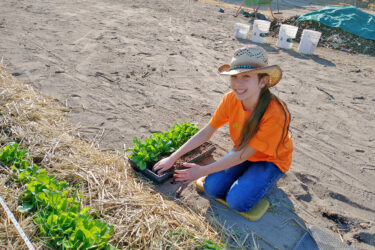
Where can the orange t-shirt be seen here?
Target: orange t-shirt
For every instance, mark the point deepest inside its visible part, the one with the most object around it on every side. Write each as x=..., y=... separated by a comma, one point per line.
x=268, y=136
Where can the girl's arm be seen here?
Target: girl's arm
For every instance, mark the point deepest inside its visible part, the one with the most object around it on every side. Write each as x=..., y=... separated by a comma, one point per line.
x=231, y=159
x=198, y=139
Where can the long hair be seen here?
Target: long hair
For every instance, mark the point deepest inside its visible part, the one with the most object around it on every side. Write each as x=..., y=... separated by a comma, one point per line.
x=251, y=126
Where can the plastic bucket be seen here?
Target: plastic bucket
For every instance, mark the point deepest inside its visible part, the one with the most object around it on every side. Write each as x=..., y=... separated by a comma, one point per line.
x=309, y=41
x=241, y=30
x=286, y=34
x=260, y=29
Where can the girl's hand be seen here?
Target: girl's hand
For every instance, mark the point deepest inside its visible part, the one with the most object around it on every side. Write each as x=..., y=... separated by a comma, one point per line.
x=193, y=172
x=163, y=165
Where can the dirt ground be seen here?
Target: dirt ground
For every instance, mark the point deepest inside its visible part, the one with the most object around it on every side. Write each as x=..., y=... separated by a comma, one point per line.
x=131, y=68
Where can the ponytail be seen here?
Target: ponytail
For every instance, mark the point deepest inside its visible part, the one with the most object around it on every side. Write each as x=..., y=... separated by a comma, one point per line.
x=251, y=126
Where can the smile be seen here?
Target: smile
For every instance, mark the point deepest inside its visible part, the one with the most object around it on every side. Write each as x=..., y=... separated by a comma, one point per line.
x=241, y=91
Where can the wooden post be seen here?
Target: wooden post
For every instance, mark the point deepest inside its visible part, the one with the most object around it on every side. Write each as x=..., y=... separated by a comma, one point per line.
x=238, y=10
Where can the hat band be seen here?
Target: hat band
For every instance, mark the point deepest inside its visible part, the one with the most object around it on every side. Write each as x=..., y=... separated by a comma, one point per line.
x=241, y=67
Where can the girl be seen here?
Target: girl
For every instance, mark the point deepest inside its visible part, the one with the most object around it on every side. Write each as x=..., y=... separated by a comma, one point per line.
x=258, y=126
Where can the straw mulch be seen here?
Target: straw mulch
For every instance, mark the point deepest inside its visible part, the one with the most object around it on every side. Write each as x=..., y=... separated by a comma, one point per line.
x=141, y=217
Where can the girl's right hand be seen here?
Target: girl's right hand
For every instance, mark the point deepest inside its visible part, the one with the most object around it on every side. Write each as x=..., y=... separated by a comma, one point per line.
x=163, y=165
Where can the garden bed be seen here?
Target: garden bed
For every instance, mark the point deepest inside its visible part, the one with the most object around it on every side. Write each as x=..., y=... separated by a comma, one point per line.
x=194, y=156
x=38, y=123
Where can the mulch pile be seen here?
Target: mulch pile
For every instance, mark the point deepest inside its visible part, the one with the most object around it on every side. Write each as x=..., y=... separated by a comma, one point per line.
x=334, y=38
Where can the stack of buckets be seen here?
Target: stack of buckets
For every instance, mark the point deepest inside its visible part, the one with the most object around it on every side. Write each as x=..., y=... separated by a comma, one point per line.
x=308, y=43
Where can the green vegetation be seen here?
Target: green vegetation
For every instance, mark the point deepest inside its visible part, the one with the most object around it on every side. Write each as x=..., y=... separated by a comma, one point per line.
x=174, y=237
x=60, y=219
x=160, y=144
x=209, y=244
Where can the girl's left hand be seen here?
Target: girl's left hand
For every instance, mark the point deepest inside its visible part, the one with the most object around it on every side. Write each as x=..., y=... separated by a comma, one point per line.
x=193, y=172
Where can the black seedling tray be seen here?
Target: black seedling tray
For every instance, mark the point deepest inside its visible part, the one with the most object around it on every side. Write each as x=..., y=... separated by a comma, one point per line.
x=168, y=174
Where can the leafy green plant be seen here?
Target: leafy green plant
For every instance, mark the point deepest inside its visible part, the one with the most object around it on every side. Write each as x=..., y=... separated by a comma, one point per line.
x=71, y=227
x=209, y=244
x=12, y=155
x=38, y=192
x=60, y=218
x=158, y=145
x=175, y=237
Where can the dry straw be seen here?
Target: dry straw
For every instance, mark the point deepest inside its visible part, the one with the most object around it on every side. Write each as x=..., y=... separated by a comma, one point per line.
x=142, y=218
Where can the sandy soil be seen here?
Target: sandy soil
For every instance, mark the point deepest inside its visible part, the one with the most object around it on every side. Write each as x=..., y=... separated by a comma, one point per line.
x=130, y=68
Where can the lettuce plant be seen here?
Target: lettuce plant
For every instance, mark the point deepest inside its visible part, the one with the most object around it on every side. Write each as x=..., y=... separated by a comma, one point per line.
x=61, y=221
x=158, y=145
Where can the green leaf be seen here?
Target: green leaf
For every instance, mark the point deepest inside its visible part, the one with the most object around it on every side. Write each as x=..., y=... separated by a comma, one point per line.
x=67, y=244
x=142, y=165
x=41, y=197
x=26, y=207
x=68, y=231
x=136, y=141
x=170, y=150
x=85, y=210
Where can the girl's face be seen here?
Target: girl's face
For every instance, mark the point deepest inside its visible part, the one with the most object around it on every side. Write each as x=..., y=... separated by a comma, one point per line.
x=247, y=86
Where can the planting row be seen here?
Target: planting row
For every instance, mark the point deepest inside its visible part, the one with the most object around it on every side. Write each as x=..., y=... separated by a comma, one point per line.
x=55, y=207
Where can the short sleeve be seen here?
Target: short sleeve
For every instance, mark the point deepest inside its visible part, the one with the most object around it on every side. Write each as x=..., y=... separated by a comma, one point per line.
x=269, y=134
x=221, y=115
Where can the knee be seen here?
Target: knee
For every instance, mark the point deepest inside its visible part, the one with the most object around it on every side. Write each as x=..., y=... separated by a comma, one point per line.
x=239, y=202
x=211, y=188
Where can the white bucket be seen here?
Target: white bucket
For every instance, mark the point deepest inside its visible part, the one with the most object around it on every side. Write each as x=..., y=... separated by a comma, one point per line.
x=241, y=30
x=309, y=41
x=286, y=32
x=260, y=28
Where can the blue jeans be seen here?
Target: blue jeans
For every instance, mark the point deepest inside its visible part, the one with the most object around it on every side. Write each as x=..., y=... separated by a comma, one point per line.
x=243, y=185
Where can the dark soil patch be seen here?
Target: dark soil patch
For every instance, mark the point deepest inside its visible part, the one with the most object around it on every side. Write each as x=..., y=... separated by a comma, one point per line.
x=186, y=157
x=191, y=155
x=342, y=222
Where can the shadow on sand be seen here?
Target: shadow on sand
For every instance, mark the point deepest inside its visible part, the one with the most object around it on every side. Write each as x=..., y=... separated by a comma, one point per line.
x=279, y=228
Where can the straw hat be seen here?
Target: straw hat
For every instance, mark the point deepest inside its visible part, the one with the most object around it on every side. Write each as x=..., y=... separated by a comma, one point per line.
x=252, y=59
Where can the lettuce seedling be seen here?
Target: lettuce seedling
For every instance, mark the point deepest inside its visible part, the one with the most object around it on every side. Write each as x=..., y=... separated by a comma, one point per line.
x=61, y=221
x=158, y=145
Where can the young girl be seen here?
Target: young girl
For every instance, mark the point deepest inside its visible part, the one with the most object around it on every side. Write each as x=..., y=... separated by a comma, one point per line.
x=258, y=127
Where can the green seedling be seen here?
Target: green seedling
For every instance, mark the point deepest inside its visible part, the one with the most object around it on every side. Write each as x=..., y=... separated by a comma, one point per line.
x=209, y=244
x=12, y=155
x=174, y=238
x=60, y=219
x=158, y=145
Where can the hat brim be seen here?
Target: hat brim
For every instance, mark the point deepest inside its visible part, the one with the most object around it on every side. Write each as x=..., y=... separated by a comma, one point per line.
x=273, y=71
